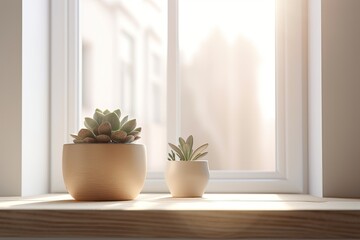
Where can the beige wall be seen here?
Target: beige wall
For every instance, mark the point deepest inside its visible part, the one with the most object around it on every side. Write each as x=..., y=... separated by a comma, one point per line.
x=10, y=97
x=24, y=97
x=341, y=97
x=338, y=116
x=334, y=84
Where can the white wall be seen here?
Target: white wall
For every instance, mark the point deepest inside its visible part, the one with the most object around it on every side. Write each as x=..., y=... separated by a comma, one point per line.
x=10, y=97
x=24, y=95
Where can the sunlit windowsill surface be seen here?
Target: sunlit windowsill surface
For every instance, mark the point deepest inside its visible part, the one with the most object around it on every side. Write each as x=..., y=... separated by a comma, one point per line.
x=158, y=215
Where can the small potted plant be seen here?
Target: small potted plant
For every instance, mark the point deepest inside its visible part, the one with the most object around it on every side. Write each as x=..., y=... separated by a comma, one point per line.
x=103, y=163
x=187, y=176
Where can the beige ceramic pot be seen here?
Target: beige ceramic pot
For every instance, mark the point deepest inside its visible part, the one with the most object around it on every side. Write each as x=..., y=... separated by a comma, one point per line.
x=187, y=178
x=94, y=172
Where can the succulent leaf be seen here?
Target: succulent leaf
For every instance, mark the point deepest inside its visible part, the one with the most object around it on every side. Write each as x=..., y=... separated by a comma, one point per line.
x=171, y=156
x=84, y=133
x=198, y=151
x=129, y=139
x=129, y=126
x=182, y=142
x=98, y=117
x=103, y=138
x=134, y=133
x=113, y=119
x=177, y=150
x=118, y=113
x=118, y=136
x=185, y=150
x=91, y=124
x=123, y=121
x=200, y=155
x=190, y=141
x=89, y=140
x=75, y=136
x=105, y=129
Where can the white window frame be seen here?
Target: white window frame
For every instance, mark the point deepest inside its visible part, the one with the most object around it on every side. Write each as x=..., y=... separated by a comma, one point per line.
x=291, y=126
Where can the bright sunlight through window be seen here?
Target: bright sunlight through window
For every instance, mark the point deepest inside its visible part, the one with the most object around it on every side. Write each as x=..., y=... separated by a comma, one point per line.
x=227, y=74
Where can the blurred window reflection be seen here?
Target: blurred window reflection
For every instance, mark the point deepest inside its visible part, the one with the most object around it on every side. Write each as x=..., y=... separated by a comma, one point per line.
x=227, y=72
x=227, y=64
x=123, y=59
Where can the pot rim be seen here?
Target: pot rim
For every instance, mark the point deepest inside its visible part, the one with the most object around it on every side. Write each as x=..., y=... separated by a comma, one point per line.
x=101, y=144
x=193, y=161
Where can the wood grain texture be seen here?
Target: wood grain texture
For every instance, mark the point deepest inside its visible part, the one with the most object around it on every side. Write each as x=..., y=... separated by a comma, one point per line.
x=180, y=224
x=217, y=216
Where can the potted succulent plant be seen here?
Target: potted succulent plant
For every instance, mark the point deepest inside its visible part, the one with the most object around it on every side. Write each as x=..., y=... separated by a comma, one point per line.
x=102, y=163
x=187, y=176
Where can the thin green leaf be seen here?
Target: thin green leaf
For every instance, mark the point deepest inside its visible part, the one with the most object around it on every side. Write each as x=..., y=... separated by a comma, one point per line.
x=106, y=112
x=186, y=150
x=190, y=141
x=177, y=150
x=182, y=142
x=172, y=155
x=199, y=150
x=200, y=155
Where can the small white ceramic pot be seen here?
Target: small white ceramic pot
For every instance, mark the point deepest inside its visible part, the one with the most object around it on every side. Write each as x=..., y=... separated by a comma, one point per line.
x=187, y=179
x=94, y=172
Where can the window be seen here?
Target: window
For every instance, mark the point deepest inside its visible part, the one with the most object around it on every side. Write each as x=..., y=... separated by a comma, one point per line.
x=227, y=50
x=229, y=73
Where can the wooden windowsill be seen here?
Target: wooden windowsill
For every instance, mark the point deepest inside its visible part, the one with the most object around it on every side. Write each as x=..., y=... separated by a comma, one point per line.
x=220, y=216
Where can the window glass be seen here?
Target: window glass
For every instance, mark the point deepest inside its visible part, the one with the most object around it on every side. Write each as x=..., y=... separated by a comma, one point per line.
x=124, y=45
x=227, y=71
x=227, y=74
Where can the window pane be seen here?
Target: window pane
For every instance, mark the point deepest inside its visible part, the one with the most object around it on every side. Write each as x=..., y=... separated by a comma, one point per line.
x=124, y=46
x=227, y=69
